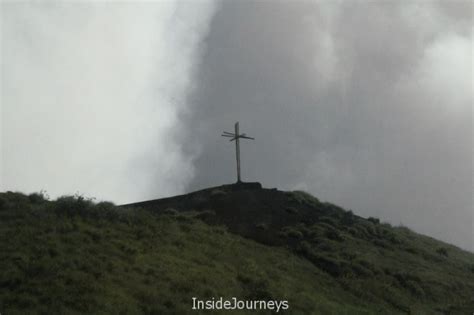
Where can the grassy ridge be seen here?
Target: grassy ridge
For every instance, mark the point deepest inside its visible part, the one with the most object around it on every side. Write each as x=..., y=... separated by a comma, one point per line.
x=375, y=261
x=72, y=256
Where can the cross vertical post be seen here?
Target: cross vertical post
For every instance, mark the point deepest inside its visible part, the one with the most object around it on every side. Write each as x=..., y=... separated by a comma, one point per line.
x=237, y=151
x=237, y=136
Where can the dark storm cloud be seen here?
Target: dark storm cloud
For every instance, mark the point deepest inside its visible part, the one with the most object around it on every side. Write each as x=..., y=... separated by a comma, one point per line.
x=364, y=104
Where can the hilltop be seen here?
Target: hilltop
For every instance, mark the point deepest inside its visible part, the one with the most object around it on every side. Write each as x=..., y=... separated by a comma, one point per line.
x=75, y=256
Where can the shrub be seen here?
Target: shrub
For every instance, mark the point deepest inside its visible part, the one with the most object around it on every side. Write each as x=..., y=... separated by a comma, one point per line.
x=410, y=282
x=324, y=226
x=315, y=232
x=381, y=243
x=291, y=210
x=289, y=231
x=332, y=266
x=305, y=198
x=199, y=200
x=352, y=231
x=254, y=282
x=371, y=230
x=334, y=235
x=383, y=234
x=186, y=217
x=262, y=226
x=411, y=250
x=442, y=251
x=255, y=288
x=403, y=277
x=36, y=198
x=73, y=205
x=3, y=203
x=369, y=265
x=205, y=214
x=361, y=231
x=405, y=230
x=374, y=220
x=361, y=271
x=105, y=210
x=329, y=221
x=348, y=218
x=170, y=211
x=326, y=246
x=471, y=268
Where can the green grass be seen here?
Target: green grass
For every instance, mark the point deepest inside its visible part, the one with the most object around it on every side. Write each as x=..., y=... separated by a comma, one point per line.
x=378, y=262
x=72, y=256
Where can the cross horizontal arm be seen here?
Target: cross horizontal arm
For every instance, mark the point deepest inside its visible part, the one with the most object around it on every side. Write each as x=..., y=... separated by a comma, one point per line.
x=245, y=137
x=234, y=137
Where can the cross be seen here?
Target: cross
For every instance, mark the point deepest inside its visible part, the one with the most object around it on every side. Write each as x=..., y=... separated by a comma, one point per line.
x=236, y=136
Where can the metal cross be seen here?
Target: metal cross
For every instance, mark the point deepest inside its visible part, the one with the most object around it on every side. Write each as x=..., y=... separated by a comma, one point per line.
x=236, y=136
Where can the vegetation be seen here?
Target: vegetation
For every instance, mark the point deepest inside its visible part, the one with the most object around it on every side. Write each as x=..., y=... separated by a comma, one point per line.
x=411, y=272
x=74, y=256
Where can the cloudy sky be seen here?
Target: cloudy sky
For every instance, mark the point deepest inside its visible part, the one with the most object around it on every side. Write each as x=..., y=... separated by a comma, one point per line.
x=364, y=104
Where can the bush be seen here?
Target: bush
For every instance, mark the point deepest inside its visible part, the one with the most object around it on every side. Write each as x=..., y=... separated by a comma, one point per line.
x=328, y=220
x=262, y=226
x=374, y=220
x=323, y=226
x=348, y=218
x=289, y=231
x=334, y=235
x=411, y=250
x=442, y=251
x=36, y=198
x=170, y=211
x=73, y=205
x=332, y=266
x=304, y=198
x=381, y=243
x=199, y=200
x=471, y=268
x=255, y=288
x=361, y=231
x=370, y=266
x=206, y=214
x=361, y=271
x=392, y=238
x=105, y=210
x=254, y=282
x=3, y=203
x=411, y=283
x=291, y=210
x=352, y=231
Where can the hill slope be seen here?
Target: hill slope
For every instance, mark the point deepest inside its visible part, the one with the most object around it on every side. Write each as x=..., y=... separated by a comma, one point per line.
x=73, y=256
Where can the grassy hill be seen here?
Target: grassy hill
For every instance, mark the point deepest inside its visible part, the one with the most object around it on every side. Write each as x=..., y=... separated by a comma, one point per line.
x=72, y=256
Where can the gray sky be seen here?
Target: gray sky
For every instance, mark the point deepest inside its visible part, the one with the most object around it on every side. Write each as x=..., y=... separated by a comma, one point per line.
x=364, y=104
x=91, y=93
